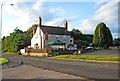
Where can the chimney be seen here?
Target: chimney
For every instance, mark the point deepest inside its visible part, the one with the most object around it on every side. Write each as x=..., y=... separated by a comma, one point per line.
x=66, y=25
x=39, y=22
x=34, y=30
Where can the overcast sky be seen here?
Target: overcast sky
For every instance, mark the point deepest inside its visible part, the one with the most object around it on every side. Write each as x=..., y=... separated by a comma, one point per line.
x=80, y=15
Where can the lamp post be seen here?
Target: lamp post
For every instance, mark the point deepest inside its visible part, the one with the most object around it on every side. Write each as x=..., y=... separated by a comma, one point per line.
x=1, y=27
x=1, y=20
x=1, y=5
x=1, y=17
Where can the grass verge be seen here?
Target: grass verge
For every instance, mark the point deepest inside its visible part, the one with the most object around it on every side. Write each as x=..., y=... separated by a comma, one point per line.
x=12, y=53
x=86, y=57
x=3, y=61
x=9, y=53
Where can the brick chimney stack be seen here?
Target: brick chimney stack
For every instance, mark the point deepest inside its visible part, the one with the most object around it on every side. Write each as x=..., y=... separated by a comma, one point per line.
x=66, y=25
x=39, y=22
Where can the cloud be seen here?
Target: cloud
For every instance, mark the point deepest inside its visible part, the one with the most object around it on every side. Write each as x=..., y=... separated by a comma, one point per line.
x=107, y=13
x=100, y=2
x=26, y=13
x=87, y=25
x=60, y=21
x=55, y=22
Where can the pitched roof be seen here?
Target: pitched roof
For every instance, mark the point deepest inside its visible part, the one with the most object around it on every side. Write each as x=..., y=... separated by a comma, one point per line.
x=54, y=30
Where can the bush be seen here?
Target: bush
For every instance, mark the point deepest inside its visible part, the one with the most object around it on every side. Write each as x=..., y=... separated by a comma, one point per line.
x=82, y=43
x=53, y=54
x=3, y=61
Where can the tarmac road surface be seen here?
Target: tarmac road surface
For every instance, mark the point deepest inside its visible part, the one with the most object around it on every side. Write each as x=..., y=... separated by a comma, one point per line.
x=90, y=70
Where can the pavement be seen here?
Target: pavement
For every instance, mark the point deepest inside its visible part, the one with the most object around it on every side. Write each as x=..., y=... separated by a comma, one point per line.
x=31, y=72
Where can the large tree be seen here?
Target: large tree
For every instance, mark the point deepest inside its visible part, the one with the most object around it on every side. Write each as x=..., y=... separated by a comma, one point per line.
x=17, y=40
x=14, y=42
x=102, y=36
x=81, y=39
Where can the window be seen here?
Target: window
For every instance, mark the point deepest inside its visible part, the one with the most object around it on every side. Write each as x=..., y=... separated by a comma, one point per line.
x=70, y=40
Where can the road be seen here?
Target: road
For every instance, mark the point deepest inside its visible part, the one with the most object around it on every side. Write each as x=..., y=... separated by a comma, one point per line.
x=90, y=70
x=114, y=52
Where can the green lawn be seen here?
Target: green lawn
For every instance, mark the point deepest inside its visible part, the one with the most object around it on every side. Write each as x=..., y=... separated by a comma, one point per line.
x=9, y=53
x=86, y=57
x=3, y=61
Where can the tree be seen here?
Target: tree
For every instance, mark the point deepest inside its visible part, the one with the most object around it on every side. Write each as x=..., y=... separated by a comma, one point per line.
x=29, y=34
x=14, y=42
x=76, y=31
x=17, y=40
x=76, y=34
x=116, y=42
x=109, y=37
x=102, y=36
x=81, y=39
x=81, y=43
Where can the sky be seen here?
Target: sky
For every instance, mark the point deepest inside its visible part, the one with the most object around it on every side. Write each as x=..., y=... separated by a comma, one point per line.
x=82, y=15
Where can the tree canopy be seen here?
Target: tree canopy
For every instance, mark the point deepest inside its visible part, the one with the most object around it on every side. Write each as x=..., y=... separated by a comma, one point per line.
x=102, y=36
x=81, y=39
x=17, y=40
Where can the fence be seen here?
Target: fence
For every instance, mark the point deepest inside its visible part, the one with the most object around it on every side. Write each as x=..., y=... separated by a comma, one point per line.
x=30, y=50
x=37, y=52
x=44, y=52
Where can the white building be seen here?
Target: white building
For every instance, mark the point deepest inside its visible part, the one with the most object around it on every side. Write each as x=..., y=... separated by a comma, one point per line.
x=52, y=37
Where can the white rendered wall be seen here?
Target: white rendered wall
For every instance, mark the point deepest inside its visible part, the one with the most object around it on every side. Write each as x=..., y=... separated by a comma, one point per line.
x=36, y=39
x=43, y=38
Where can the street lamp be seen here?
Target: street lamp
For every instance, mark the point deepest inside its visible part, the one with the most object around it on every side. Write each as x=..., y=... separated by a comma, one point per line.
x=1, y=21
x=1, y=17
x=1, y=5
